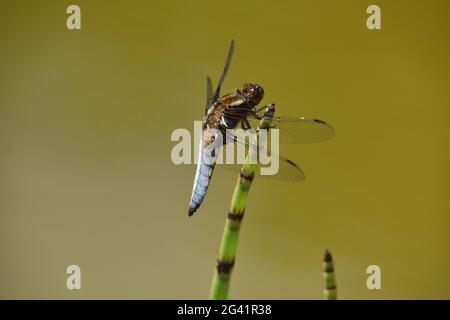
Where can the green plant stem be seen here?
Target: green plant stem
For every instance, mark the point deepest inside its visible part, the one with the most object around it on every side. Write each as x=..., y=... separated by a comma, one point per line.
x=330, y=291
x=227, y=252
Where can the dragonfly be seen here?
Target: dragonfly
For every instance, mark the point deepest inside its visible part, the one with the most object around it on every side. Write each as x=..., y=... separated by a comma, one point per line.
x=240, y=108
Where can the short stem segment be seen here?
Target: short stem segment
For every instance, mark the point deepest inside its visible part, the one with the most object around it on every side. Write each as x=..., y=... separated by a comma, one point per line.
x=225, y=261
x=330, y=291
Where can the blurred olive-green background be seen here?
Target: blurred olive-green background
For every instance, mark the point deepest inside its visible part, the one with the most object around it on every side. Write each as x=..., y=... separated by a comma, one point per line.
x=86, y=176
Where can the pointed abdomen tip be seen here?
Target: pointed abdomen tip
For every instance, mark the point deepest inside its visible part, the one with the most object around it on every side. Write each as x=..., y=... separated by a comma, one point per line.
x=191, y=211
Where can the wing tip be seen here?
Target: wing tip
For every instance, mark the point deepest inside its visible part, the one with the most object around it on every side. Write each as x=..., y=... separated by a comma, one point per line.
x=319, y=121
x=300, y=176
x=332, y=130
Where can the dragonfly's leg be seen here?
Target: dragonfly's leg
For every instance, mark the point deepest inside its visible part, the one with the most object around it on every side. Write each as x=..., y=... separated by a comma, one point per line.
x=261, y=108
x=255, y=114
x=245, y=124
x=259, y=117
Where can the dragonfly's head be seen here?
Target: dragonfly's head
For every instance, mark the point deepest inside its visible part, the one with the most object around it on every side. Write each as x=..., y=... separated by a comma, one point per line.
x=253, y=93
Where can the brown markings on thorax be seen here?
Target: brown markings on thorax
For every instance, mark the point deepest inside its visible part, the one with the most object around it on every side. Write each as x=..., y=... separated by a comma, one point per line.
x=217, y=110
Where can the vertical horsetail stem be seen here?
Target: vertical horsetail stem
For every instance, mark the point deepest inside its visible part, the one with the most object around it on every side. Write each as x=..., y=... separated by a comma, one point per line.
x=330, y=291
x=227, y=252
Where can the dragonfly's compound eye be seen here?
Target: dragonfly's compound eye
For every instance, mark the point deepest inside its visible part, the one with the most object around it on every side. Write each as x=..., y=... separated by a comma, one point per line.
x=253, y=92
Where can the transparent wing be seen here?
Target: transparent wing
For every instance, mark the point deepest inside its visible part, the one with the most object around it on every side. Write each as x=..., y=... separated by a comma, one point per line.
x=287, y=169
x=225, y=70
x=303, y=130
x=292, y=129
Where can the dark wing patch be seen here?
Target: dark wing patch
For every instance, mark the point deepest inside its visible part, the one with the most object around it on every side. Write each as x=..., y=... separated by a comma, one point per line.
x=320, y=121
x=225, y=70
x=209, y=94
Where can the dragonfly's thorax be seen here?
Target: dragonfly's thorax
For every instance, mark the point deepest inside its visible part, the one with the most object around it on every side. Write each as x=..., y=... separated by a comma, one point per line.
x=227, y=111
